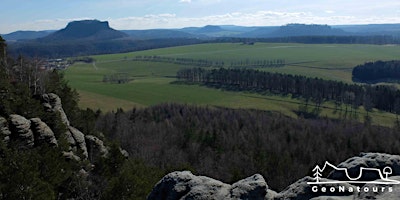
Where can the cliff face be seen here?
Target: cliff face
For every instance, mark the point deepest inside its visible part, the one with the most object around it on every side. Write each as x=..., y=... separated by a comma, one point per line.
x=184, y=185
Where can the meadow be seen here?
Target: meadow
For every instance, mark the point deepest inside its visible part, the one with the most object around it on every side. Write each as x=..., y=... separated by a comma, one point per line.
x=152, y=81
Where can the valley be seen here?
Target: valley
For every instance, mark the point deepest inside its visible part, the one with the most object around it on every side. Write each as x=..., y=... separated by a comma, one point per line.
x=153, y=81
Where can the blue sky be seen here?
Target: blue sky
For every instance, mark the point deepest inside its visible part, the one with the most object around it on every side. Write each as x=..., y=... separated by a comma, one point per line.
x=147, y=14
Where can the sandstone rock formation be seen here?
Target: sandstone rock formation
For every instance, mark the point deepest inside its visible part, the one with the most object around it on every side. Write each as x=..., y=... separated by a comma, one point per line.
x=370, y=160
x=21, y=131
x=4, y=130
x=185, y=185
x=52, y=103
x=42, y=132
x=28, y=133
x=95, y=147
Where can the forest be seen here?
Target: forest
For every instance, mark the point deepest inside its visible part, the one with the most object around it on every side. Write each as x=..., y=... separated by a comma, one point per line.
x=378, y=71
x=229, y=144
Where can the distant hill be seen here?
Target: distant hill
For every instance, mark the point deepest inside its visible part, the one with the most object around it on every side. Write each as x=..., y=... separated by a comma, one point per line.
x=371, y=29
x=85, y=30
x=158, y=34
x=294, y=30
x=25, y=35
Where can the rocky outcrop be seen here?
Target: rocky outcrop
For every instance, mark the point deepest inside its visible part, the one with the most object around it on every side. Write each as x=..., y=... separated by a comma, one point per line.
x=21, y=132
x=52, y=103
x=4, y=130
x=42, y=132
x=28, y=133
x=77, y=141
x=301, y=190
x=185, y=185
x=95, y=147
x=368, y=160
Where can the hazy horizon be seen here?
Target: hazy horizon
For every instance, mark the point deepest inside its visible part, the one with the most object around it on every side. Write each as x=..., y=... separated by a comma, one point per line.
x=153, y=14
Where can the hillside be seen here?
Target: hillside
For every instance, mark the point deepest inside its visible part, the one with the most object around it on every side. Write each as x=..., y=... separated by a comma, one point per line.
x=25, y=35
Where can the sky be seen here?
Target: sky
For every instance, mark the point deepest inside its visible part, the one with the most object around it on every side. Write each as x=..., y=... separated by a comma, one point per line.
x=150, y=14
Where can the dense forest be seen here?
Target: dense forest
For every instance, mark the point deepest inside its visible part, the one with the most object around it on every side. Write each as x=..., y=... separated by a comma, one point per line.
x=311, y=89
x=230, y=144
x=378, y=71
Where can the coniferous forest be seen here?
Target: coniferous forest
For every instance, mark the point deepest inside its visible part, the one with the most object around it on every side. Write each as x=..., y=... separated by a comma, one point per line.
x=379, y=71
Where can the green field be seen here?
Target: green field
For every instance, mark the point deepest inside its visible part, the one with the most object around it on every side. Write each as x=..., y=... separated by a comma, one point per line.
x=152, y=80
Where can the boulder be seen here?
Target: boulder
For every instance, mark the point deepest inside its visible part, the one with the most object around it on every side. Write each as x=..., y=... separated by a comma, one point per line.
x=42, y=132
x=52, y=103
x=253, y=187
x=4, y=130
x=21, y=131
x=367, y=160
x=185, y=185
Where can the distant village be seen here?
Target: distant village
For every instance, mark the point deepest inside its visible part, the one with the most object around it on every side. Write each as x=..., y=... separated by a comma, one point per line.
x=62, y=63
x=58, y=64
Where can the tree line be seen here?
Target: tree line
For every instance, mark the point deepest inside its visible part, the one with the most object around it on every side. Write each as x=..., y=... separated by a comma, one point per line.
x=382, y=97
x=378, y=71
x=375, y=39
x=212, y=63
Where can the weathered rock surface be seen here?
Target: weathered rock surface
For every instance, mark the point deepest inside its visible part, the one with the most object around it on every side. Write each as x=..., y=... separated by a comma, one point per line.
x=77, y=141
x=42, y=132
x=301, y=190
x=368, y=160
x=95, y=147
x=21, y=131
x=52, y=103
x=185, y=185
x=4, y=130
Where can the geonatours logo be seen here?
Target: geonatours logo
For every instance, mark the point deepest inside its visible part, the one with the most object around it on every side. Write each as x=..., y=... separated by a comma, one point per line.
x=352, y=184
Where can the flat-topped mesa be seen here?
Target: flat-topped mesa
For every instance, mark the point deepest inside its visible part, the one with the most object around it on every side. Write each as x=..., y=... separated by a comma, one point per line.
x=85, y=30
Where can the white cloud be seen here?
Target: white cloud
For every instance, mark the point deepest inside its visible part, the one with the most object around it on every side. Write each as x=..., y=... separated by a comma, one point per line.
x=185, y=1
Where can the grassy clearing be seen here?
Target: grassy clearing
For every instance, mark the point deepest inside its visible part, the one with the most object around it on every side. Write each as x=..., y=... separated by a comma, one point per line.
x=152, y=81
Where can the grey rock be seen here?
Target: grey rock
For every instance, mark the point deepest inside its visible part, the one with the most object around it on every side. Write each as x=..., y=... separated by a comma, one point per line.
x=253, y=187
x=301, y=190
x=52, y=103
x=78, y=141
x=124, y=152
x=21, y=131
x=271, y=194
x=4, y=130
x=333, y=198
x=42, y=132
x=185, y=185
x=71, y=156
x=96, y=148
x=369, y=160
x=383, y=191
